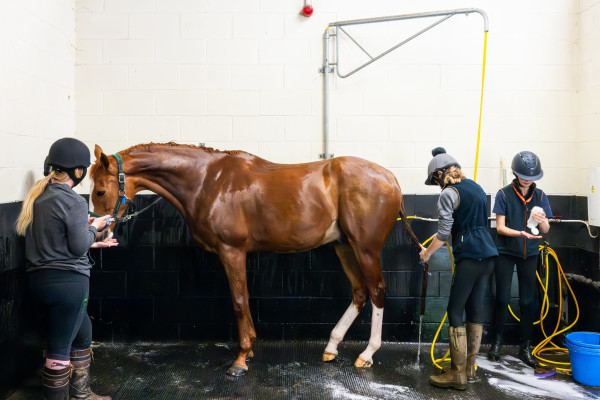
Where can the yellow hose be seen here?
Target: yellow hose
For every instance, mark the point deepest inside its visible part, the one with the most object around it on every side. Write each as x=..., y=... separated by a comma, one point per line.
x=540, y=348
x=480, y=106
x=445, y=356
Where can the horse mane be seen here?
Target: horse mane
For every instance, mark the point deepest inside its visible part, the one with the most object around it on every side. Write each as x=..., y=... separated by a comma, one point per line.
x=151, y=147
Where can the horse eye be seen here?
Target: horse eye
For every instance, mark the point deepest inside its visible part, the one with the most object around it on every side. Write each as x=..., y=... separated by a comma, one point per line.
x=100, y=193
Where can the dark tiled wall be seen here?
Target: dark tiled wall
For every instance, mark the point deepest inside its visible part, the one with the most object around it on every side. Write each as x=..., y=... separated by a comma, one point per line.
x=158, y=285
x=20, y=346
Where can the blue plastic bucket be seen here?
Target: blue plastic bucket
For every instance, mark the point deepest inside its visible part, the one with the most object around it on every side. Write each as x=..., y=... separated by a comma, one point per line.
x=585, y=360
x=590, y=340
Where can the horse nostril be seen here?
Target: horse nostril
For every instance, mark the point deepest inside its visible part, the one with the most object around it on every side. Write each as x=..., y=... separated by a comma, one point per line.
x=100, y=193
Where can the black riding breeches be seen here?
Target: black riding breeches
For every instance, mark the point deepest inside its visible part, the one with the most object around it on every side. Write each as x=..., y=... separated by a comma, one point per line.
x=468, y=287
x=62, y=298
x=526, y=268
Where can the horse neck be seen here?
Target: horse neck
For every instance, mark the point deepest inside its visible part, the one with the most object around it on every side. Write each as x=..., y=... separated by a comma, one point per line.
x=175, y=174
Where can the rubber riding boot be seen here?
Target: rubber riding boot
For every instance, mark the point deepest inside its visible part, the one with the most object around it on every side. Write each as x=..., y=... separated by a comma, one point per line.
x=455, y=377
x=55, y=383
x=495, y=348
x=525, y=355
x=474, y=332
x=80, y=381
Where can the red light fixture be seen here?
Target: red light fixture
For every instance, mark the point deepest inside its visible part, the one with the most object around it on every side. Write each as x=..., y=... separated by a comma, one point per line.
x=307, y=10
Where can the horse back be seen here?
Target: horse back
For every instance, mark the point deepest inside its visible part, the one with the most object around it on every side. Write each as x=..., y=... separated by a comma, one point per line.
x=252, y=203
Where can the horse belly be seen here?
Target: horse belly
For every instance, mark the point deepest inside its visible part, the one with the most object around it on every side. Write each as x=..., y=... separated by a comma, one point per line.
x=297, y=240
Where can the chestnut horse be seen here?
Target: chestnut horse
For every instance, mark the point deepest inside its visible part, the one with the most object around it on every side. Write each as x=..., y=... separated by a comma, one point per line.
x=234, y=202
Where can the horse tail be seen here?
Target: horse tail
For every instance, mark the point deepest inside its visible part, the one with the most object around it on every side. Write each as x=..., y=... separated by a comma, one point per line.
x=403, y=217
x=407, y=225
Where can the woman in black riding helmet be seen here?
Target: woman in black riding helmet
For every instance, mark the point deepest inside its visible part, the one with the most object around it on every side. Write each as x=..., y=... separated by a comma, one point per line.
x=517, y=246
x=58, y=234
x=463, y=213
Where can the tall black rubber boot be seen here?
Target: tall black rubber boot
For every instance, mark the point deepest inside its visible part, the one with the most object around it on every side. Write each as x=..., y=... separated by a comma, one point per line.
x=495, y=349
x=525, y=355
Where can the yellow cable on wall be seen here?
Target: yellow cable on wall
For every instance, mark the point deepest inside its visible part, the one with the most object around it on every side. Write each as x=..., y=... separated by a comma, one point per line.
x=480, y=107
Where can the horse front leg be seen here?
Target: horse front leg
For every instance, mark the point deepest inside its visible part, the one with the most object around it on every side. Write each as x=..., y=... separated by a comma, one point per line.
x=234, y=262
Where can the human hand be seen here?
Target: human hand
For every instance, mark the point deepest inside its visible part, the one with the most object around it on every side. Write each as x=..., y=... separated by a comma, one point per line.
x=538, y=216
x=424, y=255
x=529, y=235
x=110, y=242
x=100, y=223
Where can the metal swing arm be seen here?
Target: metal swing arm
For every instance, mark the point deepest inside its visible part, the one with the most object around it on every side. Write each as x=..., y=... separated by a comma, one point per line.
x=340, y=24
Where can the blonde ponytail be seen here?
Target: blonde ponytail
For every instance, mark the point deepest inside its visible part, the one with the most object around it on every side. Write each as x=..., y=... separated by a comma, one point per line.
x=453, y=175
x=26, y=215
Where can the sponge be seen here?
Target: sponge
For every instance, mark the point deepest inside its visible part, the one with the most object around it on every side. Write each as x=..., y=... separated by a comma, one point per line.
x=532, y=223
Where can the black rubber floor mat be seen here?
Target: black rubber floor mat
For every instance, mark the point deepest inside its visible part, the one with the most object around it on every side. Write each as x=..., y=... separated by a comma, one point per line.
x=293, y=370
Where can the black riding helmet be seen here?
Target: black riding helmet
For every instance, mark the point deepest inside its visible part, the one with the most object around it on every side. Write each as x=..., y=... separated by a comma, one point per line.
x=66, y=155
x=440, y=162
x=527, y=165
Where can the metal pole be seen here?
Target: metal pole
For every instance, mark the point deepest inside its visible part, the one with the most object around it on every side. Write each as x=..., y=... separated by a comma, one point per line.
x=326, y=65
x=373, y=59
x=417, y=15
x=326, y=71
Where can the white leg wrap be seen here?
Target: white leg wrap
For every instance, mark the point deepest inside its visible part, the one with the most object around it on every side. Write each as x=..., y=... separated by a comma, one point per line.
x=337, y=334
x=375, y=340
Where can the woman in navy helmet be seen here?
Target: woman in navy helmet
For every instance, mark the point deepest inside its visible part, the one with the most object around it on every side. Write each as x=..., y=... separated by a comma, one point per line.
x=463, y=214
x=58, y=233
x=517, y=246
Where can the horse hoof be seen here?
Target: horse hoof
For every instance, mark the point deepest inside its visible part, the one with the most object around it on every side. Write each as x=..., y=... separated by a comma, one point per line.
x=327, y=356
x=236, y=370
x=362, y=363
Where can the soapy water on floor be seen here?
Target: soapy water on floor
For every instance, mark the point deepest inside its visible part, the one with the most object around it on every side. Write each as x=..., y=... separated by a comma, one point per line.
x=382, y=391
x=521, y=380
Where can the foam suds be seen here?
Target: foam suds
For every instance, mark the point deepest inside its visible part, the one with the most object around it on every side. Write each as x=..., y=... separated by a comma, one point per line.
x=522, y=379
x=390, y=390
x=515, y=388
x=341, y=392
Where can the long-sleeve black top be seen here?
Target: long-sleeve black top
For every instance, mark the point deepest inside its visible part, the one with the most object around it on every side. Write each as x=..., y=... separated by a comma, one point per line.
x=59, y=236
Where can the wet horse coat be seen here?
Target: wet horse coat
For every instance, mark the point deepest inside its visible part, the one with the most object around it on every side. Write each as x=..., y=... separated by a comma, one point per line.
x=234, y=203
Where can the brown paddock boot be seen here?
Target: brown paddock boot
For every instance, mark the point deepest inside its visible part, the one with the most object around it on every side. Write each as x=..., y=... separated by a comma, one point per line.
x=80, y=381
x=455, y=377
x=474, y=332
x=55, y=383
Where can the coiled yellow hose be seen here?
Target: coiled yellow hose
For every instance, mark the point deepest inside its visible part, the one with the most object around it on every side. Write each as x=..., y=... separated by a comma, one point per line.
x=541, y=347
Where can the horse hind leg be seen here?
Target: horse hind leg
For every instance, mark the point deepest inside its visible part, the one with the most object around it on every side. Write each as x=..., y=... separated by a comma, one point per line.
x=371, y=271
x=359, y=298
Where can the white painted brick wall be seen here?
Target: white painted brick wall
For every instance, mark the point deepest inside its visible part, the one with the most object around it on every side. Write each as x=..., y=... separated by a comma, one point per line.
x=37, y=88
x=243, y=74
x=587, y=104
x=127, y=52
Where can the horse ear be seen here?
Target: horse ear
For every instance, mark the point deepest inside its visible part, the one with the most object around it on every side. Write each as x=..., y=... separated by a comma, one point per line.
x=101, y=156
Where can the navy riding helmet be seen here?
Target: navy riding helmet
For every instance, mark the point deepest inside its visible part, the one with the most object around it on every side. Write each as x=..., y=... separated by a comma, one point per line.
x=527, y=165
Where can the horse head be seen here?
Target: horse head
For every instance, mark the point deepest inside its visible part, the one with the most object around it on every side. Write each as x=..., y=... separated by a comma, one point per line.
x=108, y=195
